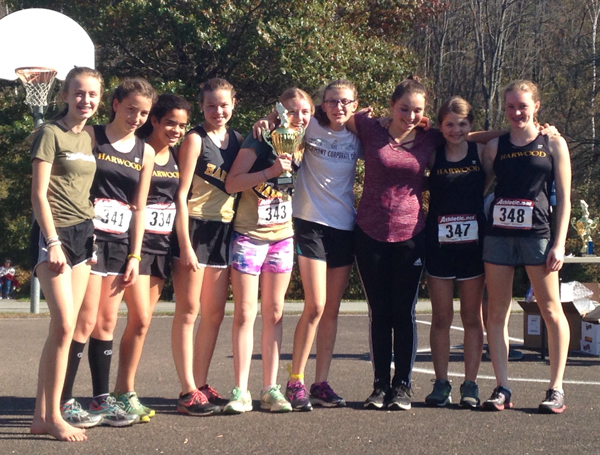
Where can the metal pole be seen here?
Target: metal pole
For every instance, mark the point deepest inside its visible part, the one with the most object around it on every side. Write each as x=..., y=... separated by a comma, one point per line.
x=38, y=119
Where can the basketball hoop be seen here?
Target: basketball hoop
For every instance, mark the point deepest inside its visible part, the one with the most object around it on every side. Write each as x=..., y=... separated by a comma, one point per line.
x=37, y=81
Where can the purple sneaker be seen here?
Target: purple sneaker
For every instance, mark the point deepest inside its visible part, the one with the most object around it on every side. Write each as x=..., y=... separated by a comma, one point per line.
x=322, y=394
x=297, y=395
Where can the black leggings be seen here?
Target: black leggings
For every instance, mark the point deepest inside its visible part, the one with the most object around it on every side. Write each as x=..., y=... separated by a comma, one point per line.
x=390, y=274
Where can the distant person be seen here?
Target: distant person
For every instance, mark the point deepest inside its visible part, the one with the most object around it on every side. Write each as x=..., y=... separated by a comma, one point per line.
x=525, y=164
x=62, y=243
x=8, y=281
x=205, y=211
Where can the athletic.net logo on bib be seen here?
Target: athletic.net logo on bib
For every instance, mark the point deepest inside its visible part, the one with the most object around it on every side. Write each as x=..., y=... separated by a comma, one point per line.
x=457, y=229
x=112, y=216
x=513, y=213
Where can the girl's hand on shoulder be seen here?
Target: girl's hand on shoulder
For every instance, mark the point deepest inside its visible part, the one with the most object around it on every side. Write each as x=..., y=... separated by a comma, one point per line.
x=262, y=125
x=549, y=130
x=425, y=123
x=57, y=261
x=555, y=259
x=368, y=111
x=385, y=122
x=131, y=272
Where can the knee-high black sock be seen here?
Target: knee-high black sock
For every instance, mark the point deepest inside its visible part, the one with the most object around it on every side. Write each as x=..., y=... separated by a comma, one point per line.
x=75, y=353
x=100, y=355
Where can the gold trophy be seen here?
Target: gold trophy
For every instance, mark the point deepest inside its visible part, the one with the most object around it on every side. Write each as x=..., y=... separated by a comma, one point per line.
x=284, y=140
x=584, y=227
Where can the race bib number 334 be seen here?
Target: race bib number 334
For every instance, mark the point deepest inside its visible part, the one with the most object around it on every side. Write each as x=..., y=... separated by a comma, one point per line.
x=160, y=218
x=274, y=211
x=513, y=213
x=111, y=216
x=454, y=229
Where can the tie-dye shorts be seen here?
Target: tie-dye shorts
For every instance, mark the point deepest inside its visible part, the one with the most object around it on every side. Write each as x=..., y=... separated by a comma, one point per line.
x=253, y=256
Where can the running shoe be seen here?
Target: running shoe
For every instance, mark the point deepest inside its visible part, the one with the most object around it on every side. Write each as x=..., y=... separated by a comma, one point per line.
x=469, y=395
x=240, y=402
x=441, y=394
x=213, y=396
x=113, y=413
x=554, y=402
x=322, y=394
x=297, y=395
x=132, y=405
x=273, y=400
x=76, y=416
x=377, y=399
x=398, y=398
x=195, y=403
x=499, y=400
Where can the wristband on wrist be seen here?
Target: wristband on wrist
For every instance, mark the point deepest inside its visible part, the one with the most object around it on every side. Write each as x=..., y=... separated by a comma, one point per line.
x=264, y=173
x=52, y=239
x=134, y=256
x=53, y=243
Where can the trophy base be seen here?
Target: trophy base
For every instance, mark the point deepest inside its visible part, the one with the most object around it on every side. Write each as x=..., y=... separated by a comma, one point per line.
x=284, y=182
x=585, y=255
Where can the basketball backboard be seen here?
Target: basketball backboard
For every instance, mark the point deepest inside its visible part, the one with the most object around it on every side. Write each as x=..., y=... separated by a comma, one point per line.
x=40, y=37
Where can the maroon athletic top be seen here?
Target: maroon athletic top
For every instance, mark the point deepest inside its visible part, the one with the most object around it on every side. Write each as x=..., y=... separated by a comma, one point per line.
x=390, y=208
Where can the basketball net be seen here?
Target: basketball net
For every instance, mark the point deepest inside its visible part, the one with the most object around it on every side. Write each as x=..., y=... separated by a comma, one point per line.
x=37, y=82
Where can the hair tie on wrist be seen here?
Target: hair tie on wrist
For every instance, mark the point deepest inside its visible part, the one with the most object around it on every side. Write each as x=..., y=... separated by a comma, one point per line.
x=134, y=256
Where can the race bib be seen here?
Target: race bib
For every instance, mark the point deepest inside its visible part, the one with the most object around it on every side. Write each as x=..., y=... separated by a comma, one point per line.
x=457, y=229
x=274, y=211
x=112, y=216
x=513, y=213
x=160, y=218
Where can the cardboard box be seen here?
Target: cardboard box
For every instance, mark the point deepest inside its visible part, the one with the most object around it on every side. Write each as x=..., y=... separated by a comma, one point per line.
x=590, y=332
x=589, y=348
x=532, y=325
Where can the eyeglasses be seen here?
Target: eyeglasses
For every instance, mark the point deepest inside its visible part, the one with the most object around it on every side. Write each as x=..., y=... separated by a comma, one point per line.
x=334, y=103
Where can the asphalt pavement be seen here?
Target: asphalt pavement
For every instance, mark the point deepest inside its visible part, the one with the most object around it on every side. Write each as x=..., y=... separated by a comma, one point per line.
x=351, y=430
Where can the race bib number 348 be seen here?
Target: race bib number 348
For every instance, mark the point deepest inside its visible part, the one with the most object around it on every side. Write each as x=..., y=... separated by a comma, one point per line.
x=454, y=229
x=274, y=211
x=513, y=213
x=111, y=216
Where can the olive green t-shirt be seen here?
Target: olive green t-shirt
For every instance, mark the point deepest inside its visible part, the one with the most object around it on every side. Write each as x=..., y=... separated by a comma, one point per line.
x=73, y=169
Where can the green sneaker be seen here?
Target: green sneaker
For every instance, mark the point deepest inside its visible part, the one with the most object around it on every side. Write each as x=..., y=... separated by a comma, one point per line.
x=469, y=395
x=132, y=405
x=239, y=402
x=273, y=400
x=440, y=396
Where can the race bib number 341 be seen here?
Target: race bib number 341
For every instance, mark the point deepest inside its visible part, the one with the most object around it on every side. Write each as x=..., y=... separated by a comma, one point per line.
x=513, y=213
x=454, y=229
x=160, y=218
x=111, y=216
x=274, y=211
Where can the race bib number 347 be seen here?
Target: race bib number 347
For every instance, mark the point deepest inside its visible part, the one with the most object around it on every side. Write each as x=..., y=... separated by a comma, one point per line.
x=111, y=216
x=513, y=213
x=274, y=211
x=454, y=229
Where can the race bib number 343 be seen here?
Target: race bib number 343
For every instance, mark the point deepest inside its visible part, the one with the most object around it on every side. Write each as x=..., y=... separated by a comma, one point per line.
x=111, y=216
x=160, y=218
x=513, y=213
x=274, y=211
x=454, y=229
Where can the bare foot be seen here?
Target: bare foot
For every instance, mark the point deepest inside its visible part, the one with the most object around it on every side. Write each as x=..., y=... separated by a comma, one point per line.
x=60, y=430
x=38, y=426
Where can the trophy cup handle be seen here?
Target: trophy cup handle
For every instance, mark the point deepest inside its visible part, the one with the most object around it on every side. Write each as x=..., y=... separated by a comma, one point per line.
x=267, y=137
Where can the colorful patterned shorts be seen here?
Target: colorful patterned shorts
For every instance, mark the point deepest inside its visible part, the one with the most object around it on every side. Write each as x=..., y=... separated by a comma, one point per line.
x=255, y=256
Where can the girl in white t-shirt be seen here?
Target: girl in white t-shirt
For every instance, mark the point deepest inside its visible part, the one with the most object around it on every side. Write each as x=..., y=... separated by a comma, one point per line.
x=323, y=211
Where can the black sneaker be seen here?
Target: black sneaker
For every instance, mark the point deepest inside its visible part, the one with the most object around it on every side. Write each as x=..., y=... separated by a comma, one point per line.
x=297, y=395
x=554, y=402
x=322, y=394
x=499, y=400
x=399, y=398
x=469, y=395
x=440, y=396
x=195, y=403
x=377, y=399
